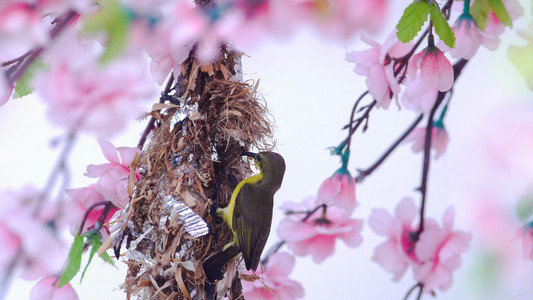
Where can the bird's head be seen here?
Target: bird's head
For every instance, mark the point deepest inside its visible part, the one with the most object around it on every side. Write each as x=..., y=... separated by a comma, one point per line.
x=271, y=165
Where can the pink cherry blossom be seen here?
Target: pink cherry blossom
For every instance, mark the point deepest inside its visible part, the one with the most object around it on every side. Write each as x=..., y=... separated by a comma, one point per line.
x=377, y=65
x=396, y=254
x=113, y=176
x=433, y=68
x=417, y=96
x=87, y=95
x=439, y=140
x=342, y=18
x=173, y=39
x=274, y=282
x=338, y=190
x=46, y=289
x=20, y=29
x=80, y=200
x=494, y=27
x=316, y=236
x=439, y=251
x=468, y=38
x=27, y=237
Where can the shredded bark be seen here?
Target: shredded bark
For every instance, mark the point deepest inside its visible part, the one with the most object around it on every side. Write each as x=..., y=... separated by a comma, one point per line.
x=186, y=164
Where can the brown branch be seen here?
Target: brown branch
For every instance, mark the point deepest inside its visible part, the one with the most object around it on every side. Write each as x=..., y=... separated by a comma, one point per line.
x=55, y=171
x=151, y=123
x=363, y=173
x=32, y=55
x=457, y=69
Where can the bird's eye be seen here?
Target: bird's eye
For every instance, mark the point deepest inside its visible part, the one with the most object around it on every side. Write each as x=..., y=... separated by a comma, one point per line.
x=258, y=158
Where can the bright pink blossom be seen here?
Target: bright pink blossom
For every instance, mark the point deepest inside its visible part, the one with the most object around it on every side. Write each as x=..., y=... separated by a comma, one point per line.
x=377, y=65
x=274, y=282
x=46, y=289
x=439, y=251
x=80, y=200
x=439, y=140
x=397, y=253
x=433, y=68
x=338, y=190
x=113, y=176
x=316, y=236
x=85, y=94
x=428, y=72
x=27, y=236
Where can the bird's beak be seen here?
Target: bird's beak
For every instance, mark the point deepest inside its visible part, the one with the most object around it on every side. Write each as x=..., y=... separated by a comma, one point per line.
x=250, y=154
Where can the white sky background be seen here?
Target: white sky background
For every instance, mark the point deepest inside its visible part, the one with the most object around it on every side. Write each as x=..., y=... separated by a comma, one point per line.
x=310, y=90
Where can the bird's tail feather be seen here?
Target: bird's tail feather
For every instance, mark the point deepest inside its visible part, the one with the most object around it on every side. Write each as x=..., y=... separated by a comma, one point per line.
x=214, y=263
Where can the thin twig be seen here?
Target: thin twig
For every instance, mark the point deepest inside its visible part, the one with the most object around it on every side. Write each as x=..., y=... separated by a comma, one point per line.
x=363, y=173
x=457, y=68
x=151, y=123
x=410, y=291
x=56, y=171
x=63, y=21
x=108, y=205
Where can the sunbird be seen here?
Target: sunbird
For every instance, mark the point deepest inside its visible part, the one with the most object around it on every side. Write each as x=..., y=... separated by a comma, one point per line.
x=249, y=214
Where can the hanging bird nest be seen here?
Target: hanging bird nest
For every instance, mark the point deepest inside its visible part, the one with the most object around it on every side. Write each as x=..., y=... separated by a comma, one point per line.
x=185, y=167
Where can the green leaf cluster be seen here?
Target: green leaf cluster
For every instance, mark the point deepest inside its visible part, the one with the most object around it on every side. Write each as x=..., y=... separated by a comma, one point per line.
x=73, y=264
x=480, y=12
x=114, y=20
x=23, y=84
x=524, y=208
x=416, y=14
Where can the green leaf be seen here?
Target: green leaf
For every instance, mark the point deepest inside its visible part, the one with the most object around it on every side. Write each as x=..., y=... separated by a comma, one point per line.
x=501, y=13
x=73, y=262
x=23, y=85
x=479, y=11
x=481, y=8
x=114, y=21
x=524, y=208
x=442, y=28
x=95, y=242
x=107, y=259
x=414, y=16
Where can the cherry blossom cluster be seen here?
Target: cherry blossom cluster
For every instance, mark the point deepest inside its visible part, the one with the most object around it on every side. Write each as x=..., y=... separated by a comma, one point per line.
x=312, y=227
x=433, y=254
x=390, y=66
x=112, y=185
x=32, y=247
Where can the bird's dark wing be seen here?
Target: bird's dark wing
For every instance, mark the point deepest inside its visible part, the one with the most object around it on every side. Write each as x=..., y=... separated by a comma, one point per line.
x=251, y=222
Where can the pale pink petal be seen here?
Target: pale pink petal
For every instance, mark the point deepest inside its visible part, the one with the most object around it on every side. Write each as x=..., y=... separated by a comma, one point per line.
x=109, y=151
x=406, y=211
x=127, y=155
x=295, y=230
x=353, y=238
x=387, y=256
x=381, y=221
x=445, y=73
x=321, y=247
x=46, y=289
x=429, y=242
x=447, y=219
x=280, y=264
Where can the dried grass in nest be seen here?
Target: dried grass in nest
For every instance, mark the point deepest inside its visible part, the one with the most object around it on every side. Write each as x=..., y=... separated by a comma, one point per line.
x=184, y=165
